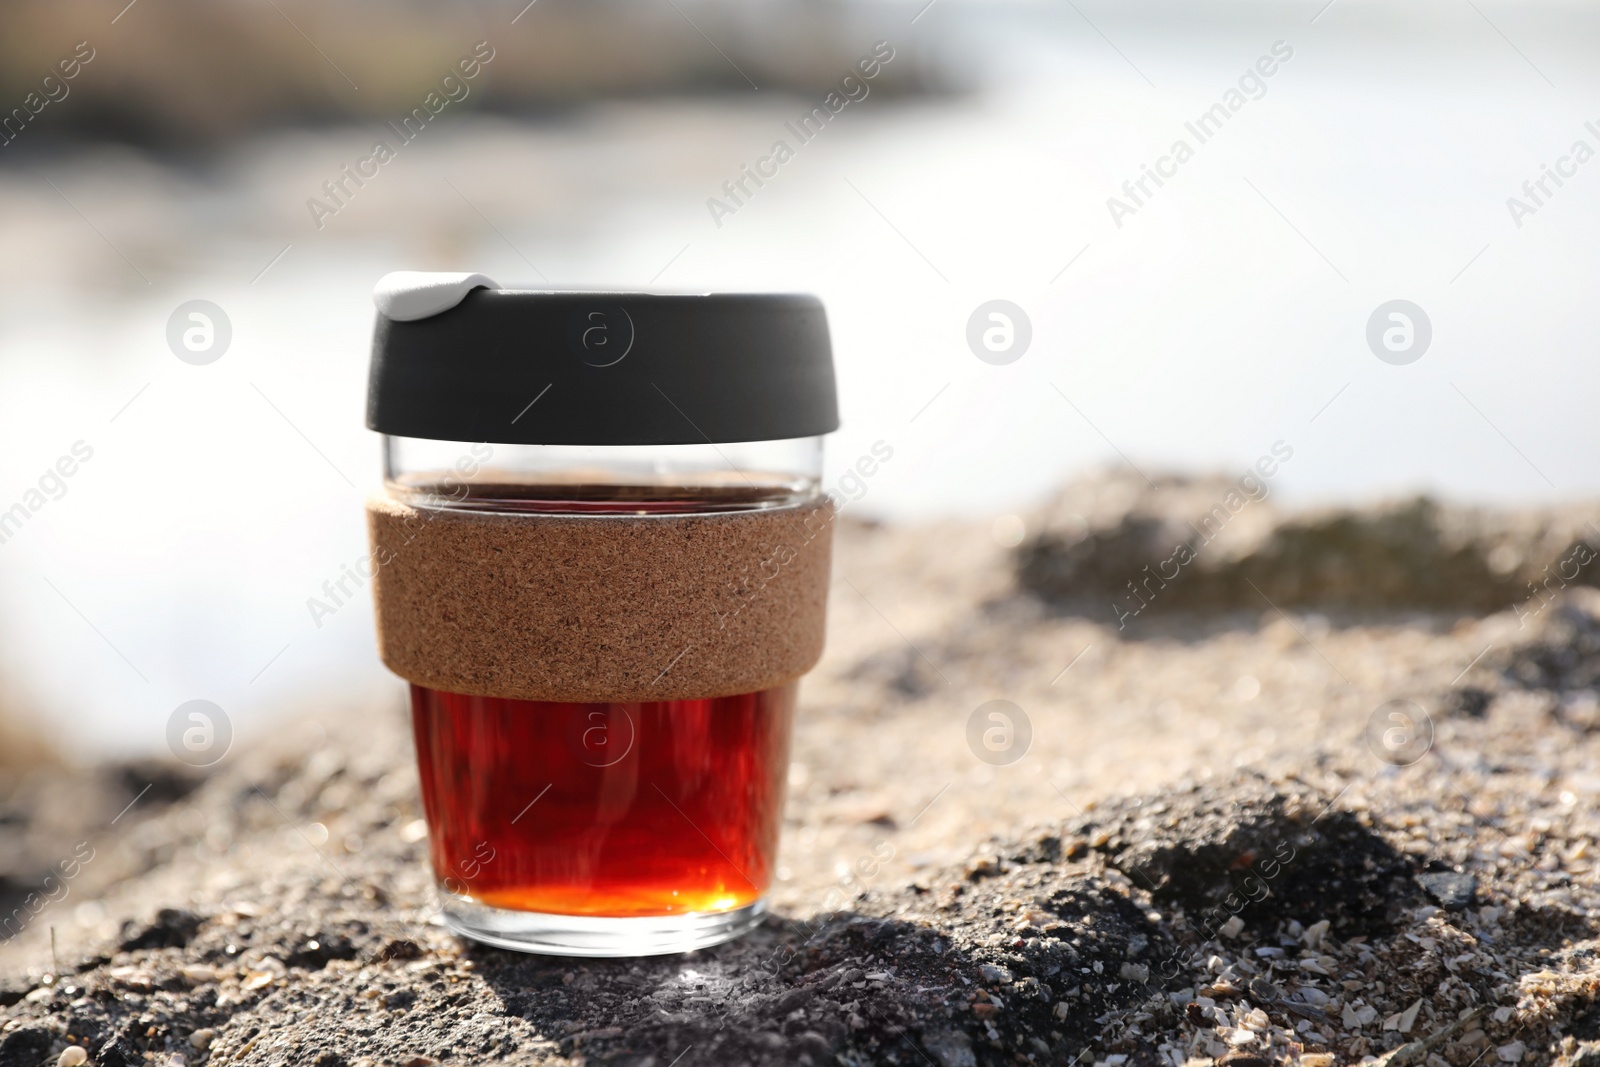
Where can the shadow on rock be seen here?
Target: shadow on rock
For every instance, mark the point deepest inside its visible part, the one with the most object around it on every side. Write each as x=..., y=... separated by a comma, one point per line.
x=1555, y=659
x=984, y=967
x=1253, y=852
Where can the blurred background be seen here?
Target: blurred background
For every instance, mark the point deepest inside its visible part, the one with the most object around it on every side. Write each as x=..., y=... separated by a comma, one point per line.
x=165, y=151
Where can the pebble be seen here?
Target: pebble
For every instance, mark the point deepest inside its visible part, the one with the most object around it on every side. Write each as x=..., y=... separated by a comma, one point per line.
x=201, y=1039
x=1452, y=890
x=1311, y=938
x=1264, y=989
x=72, y=1056
x=993, y=973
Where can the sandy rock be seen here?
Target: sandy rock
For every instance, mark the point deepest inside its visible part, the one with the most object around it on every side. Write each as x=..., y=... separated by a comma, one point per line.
x=1071, y=906
x=1116, y=544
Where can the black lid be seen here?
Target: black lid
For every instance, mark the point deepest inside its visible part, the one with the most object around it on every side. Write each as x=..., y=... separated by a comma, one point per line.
x=552, y=368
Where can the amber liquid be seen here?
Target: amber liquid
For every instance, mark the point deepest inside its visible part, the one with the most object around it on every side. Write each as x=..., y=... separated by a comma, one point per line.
x=616, y=810
x=548, y=496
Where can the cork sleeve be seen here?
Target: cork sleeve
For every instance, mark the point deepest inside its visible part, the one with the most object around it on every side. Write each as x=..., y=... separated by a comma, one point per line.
x=599, y=608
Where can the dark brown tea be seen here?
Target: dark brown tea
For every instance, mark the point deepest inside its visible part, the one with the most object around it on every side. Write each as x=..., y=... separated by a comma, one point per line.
x=618, y=810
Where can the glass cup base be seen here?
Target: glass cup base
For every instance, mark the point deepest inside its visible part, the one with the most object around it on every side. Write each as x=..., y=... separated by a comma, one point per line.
x=589, y=935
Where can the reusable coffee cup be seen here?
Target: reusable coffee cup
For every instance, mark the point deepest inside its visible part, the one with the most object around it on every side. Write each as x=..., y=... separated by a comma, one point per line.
x=601, y=561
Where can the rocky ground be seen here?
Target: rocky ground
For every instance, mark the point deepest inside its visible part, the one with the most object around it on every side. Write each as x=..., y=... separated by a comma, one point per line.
x=1349, y=820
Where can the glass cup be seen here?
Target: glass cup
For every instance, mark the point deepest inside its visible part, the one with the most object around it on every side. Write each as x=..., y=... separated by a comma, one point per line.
x=603, y=644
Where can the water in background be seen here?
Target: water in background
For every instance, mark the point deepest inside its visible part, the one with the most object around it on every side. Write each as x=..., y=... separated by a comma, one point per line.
x=1227, y=312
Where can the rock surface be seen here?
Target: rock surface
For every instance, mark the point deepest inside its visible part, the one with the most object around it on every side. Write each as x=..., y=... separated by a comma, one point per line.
x=1120, y=545
x=1211, y=847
